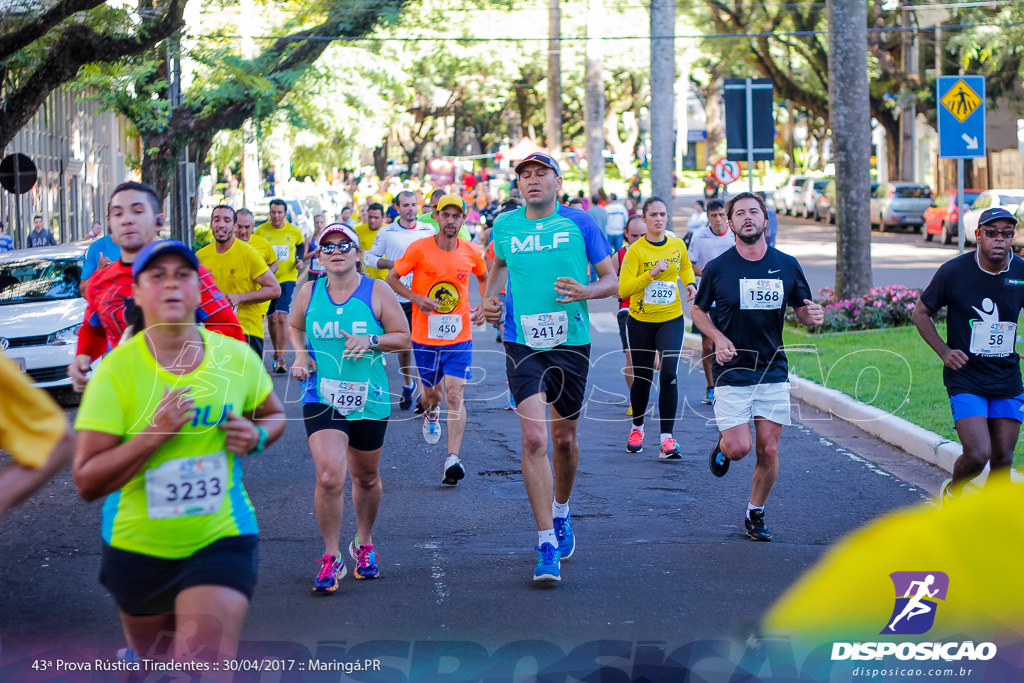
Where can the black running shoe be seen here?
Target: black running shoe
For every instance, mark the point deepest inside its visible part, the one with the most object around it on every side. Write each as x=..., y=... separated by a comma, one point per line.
x=756, y=530
x=717, y=461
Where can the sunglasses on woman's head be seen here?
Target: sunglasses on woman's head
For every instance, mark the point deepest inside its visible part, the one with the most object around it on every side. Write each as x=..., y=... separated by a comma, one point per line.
x=343, y=247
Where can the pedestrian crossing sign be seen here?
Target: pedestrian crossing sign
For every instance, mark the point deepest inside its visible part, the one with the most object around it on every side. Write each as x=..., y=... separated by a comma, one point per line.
x=960, y=116
x=961, y=101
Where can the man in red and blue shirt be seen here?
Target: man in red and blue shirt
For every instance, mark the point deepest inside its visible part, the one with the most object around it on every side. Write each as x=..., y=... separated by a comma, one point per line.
x=134, y=216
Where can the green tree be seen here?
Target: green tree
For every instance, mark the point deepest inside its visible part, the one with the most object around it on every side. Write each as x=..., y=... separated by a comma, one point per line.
x=43, y=50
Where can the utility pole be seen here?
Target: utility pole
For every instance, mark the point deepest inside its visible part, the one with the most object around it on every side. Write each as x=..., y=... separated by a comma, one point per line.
x=663, y=76
x=850, y=120
x=252, y=186
x=553, y=124
x=593, y=102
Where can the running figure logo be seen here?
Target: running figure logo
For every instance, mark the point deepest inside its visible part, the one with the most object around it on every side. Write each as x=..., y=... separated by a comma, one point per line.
x=917, y=594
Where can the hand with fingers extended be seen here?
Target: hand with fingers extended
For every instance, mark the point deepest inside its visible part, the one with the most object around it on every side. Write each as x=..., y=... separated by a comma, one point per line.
x=355, y=345
x=241, y=435
x=175, y=410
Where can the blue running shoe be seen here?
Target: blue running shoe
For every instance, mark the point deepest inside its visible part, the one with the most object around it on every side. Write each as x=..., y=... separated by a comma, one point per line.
x=566, y=539
x=332, y=571
x=366, y=560
x=405, y=402
x=547, y=564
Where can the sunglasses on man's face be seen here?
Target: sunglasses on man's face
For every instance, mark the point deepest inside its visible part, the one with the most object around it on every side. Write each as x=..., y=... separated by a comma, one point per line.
x=331, y=247
x=992, y=234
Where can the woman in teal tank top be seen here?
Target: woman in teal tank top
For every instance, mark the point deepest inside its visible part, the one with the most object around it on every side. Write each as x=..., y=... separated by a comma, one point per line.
x=341, y=325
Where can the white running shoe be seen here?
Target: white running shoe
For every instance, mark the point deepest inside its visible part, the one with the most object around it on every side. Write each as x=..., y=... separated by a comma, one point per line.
x=432, y=426
x=453, y=470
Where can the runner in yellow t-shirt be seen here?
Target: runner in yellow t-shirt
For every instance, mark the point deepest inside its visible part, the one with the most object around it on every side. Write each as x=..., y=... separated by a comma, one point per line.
x=33, y=431
x=367, y=232
x=241, y=273
x=289, y=245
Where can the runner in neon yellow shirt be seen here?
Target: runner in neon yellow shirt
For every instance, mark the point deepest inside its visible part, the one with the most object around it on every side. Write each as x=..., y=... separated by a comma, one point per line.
x=161, y=426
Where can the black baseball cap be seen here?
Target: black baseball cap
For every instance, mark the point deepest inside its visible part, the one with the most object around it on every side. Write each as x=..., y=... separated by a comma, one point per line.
x=995, y=213
x=543, y=160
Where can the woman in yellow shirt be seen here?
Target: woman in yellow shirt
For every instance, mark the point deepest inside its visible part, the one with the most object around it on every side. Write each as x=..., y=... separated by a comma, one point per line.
x=649, y=277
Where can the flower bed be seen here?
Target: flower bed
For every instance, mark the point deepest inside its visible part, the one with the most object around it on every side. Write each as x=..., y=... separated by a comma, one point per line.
x=880, y=308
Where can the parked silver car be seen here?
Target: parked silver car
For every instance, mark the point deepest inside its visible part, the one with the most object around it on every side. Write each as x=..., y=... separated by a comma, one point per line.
x=900, y=204
x=808, y=197
x=786, y=196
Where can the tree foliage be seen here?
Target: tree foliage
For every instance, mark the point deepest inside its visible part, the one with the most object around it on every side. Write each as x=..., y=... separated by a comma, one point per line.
x=43, y=49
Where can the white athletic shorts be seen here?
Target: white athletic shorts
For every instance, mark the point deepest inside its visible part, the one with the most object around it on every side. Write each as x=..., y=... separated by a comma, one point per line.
x=735, y=406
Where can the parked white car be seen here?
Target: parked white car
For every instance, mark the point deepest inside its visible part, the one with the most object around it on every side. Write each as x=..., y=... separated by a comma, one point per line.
x=786, y=196
x=41, y=310
x=1008, y=199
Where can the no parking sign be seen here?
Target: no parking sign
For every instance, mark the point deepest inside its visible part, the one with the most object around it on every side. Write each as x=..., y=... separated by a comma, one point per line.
x=726, y=171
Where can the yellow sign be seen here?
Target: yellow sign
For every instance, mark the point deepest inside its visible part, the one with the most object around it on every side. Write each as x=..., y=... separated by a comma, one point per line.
x=961, y=101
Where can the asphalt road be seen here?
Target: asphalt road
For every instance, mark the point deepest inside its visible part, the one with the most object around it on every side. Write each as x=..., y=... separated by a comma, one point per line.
x=662, y=567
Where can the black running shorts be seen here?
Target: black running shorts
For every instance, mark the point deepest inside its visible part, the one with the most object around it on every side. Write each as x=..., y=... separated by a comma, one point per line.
x=144, y=585
x=559, y=373
x=363, y=435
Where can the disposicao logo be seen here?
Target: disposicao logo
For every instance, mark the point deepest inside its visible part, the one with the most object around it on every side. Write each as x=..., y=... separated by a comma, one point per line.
x=917, y=596
x=916, y=602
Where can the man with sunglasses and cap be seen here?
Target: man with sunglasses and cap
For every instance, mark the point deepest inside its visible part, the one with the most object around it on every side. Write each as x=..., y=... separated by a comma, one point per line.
x=983, y=292
x=543, y=251
x=442, y=329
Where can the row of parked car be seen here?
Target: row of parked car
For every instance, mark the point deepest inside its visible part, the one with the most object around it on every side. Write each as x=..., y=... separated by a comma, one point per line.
x=902, y=205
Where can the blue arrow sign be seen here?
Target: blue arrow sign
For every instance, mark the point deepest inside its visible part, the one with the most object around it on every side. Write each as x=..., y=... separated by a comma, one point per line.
x=961, y=105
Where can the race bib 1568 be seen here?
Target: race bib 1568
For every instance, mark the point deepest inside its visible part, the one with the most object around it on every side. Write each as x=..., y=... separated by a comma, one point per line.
x=760, y=295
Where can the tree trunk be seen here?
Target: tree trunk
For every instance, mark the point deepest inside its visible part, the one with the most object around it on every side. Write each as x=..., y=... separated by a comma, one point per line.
x=553, y=126
x=713, y=114
x=593, y=103
x=850, y=118
x=380, y=159
x=623, y=151
x=663, y=76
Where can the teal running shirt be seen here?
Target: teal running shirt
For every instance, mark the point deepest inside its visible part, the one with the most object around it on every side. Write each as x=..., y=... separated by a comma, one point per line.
x=538, y=252
x=356, y=388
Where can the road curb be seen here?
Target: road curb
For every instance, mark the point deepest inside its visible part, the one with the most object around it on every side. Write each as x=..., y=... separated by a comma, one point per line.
x=896, y=431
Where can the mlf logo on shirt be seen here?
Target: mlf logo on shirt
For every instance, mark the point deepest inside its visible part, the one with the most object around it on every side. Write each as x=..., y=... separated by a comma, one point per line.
x=532, y=243
x=917, y=596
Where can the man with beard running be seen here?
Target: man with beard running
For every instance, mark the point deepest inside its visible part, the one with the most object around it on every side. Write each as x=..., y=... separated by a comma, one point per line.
x=749, y=287
x=442, y=329
x=241, y=273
